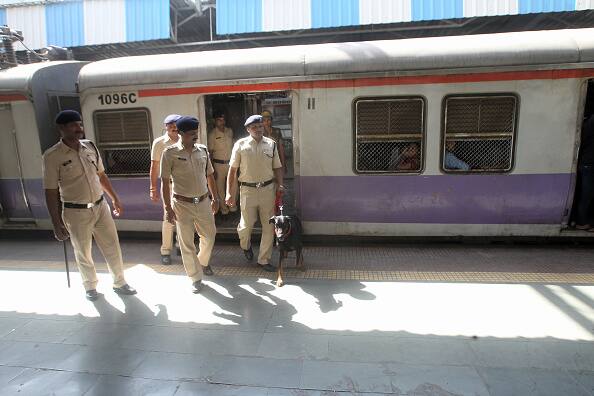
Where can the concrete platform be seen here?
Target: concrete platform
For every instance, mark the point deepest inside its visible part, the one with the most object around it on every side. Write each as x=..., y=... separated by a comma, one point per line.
x=371, y=320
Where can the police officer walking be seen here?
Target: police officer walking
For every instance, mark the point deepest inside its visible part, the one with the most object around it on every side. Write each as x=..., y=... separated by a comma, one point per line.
x=220, y=143
x=188, y=166
x=257, y=159
x=74, y=180
x=159, y=144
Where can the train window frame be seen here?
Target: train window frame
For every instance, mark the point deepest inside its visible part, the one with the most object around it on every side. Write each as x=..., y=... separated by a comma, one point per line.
x=419, y=138
x=104, y=148
x=512, y=136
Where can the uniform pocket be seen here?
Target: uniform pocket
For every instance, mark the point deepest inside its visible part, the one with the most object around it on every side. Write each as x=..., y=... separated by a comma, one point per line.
x=70, y=170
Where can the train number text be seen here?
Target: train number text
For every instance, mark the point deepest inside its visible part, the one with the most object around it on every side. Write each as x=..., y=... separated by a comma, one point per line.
x=123, y=98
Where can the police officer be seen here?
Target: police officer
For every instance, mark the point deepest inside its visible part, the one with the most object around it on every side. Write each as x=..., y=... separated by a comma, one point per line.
x=261, y=175
x=274, y=134
x=220, y=143
x=159, y=144
x=74, y=181
x=188, y=166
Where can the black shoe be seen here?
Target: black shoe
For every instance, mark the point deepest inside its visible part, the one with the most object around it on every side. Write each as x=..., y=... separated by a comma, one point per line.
x=249, y=254
x=125, y=290
x=196, y=287
x=92, y=295
x=268, y=267
x=207, y=270
x=165, y=259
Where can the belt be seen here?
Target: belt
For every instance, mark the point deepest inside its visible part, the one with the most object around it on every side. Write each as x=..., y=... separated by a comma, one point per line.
x=257, y=185
x=71, y=205
x=218, y=161
x=194, y=200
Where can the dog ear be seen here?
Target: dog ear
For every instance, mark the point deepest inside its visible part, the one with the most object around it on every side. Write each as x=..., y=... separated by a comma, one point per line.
x=271, y=221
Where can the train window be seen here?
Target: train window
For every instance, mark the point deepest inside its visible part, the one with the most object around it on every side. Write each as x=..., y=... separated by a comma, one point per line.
x=389, y=135
x=124, y=141
x=478, y=133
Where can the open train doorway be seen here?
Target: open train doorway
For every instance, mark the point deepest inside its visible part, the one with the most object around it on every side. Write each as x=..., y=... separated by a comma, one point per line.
x=582, y=213
x=236, y=108
x=14, y=202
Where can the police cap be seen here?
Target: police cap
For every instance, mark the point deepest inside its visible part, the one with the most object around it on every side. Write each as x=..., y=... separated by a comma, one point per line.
x=66, y=116
x=187, y=123
x=171, y=118
x=254, y=119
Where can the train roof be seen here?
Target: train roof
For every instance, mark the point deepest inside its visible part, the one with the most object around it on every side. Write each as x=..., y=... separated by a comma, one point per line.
x=20, y=78
x=485, y=50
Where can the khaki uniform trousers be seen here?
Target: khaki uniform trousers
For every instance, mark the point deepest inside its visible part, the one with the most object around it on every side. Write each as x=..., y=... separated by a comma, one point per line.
x=166, y=236
x=221, y=171
x=257, y=203
x=192, y=216
x=83, y=225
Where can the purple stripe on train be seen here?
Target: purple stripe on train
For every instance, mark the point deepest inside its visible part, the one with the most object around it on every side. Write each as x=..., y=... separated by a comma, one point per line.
x=133, y=192
x=441, y=199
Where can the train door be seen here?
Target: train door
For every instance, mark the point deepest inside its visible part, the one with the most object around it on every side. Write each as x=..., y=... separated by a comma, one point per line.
x=582, y=214
x=14, y=204
x=58, y=101
x=237, y=107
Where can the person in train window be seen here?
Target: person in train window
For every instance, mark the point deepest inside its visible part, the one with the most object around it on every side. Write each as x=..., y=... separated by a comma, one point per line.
x=159, y=145
x=220, y=144
x=450, y=159
x=409, y=160
x=74, y=180
x=274, y=134
x=585, y=192
x=256, y=157
x=187, y=166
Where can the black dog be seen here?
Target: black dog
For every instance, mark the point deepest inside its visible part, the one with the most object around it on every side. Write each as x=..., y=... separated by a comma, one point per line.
x=288, y=230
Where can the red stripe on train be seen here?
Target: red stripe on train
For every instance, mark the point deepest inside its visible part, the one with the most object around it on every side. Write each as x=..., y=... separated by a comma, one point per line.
x=375, y=81
x=12, y=97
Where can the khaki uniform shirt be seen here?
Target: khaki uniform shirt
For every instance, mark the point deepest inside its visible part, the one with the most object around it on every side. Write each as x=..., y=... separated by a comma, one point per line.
x=159, y=145
x=255, y=161
x=188, y=171
x=275, y=135
x=220, y=144
x=74, y=173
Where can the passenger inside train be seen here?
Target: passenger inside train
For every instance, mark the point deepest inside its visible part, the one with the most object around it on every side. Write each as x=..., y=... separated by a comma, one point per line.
x=451, y=161
x=409, y=160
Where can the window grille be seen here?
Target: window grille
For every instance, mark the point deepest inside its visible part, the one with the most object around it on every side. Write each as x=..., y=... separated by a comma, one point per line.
x=479, y=133
x=389, y=134
x=124, y=141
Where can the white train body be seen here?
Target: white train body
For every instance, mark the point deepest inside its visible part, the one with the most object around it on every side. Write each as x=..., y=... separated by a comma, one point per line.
x=535, y=82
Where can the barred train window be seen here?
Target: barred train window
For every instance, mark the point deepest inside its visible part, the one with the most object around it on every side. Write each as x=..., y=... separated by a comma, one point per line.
x=124, y=141
x=479, y=133
x=389, y=135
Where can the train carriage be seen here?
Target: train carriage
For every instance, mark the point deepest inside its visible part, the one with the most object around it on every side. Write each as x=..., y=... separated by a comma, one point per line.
x=30, y=96
x=467, y=135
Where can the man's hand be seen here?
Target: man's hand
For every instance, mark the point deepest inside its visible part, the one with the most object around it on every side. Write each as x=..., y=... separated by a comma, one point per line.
x=229, y=201
x=154, y=194
x=60, y=232
x=117, y=208
x=214, y=205
x=171, y=217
